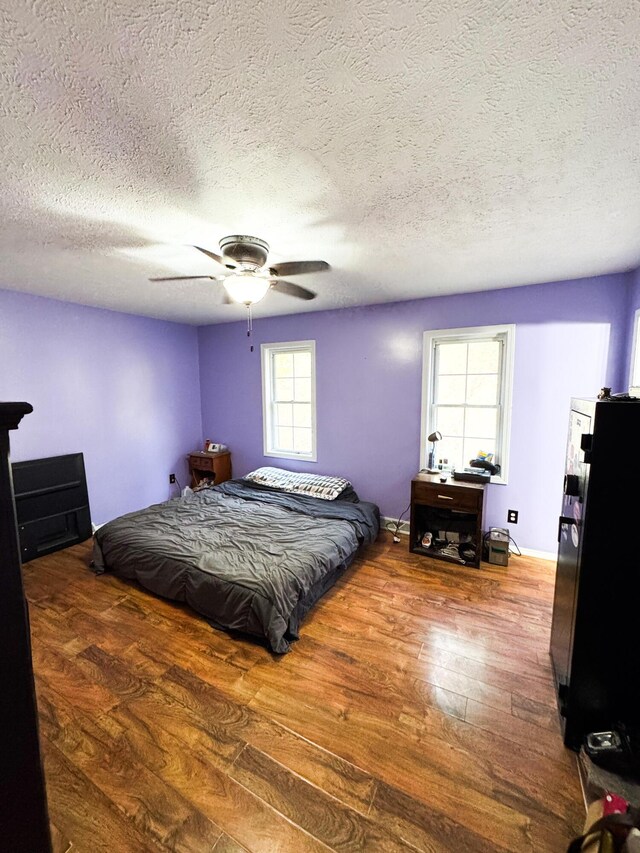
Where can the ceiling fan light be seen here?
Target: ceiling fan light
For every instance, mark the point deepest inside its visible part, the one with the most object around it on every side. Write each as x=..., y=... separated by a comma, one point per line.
x=246, y=289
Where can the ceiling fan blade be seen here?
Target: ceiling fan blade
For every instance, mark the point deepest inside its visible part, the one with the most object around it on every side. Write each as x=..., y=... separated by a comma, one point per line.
x=185, y=278
x=225, y=262
x=292, y=289
x=299, y=267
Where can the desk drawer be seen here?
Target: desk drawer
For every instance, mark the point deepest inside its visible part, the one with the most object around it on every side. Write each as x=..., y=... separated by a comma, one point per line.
x=450, y=497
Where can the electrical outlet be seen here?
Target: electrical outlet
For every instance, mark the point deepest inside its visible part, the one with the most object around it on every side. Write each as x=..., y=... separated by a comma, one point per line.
x=512, y=516
x=172, y=478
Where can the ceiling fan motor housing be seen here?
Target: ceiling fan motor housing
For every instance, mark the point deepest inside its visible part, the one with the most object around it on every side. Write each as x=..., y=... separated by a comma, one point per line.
x=245, y=250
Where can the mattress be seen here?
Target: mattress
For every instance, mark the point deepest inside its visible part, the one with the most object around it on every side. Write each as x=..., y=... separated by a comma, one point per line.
x=246, y=557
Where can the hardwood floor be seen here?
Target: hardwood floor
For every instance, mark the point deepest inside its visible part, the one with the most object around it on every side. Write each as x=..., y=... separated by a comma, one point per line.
x=415, y=713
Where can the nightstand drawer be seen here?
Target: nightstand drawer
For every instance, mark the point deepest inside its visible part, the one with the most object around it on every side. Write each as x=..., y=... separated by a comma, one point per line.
x=201, y=463
x=451, y=497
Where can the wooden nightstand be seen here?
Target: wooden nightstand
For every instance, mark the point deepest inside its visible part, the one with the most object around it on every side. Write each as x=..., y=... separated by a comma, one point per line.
x=212, y=466
x=452, y=508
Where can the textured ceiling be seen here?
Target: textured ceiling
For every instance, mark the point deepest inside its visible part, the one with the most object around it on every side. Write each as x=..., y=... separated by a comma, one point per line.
x=421, y=148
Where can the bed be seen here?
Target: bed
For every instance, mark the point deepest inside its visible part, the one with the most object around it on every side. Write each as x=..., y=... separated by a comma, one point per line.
x=246, y=556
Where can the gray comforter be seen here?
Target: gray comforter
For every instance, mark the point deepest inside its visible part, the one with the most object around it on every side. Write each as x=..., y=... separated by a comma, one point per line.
x=246, y=557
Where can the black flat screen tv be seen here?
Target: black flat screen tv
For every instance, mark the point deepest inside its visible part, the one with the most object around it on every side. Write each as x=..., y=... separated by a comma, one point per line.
x=52, y=504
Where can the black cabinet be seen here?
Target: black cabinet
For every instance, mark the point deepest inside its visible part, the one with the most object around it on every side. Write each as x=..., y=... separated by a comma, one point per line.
x=24, y=821
x=594, y=633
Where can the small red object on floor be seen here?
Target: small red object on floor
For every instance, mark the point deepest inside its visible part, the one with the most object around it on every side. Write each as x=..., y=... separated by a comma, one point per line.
x=613, y=804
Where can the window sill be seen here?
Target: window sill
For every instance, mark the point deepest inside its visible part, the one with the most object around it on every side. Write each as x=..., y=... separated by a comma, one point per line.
x=498, y=481
x=303, y=457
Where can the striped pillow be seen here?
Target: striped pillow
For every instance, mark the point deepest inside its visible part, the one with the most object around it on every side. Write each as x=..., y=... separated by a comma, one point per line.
x=312, y=485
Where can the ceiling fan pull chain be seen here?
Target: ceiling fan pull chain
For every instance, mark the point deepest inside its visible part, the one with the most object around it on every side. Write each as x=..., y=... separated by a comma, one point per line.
x=249, y=325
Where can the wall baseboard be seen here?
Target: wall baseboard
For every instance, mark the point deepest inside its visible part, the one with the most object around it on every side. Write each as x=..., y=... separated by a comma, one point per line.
x=541, y=555
x=404, y=525
x=526, y=552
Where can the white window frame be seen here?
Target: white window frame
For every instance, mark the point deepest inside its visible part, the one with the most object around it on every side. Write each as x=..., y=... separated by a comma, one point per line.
x=267, y=352
x=465, y=335
x=634, y=368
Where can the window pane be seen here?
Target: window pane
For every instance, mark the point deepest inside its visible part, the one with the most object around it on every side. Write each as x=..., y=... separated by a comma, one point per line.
x=484, y=357
x=450, y=390
x=302, y=390
x=302, y=440
x=468, y=391
x=284, y=390
x=302, y=415
x=449, y=421
x=452, y=358
x=284, y=438
x=302, y=362
x=472, y=446
x=480, y=423
x=450, y=449
x=283, y=364
x=482, y=390
x=288, y=376
x=284, y=414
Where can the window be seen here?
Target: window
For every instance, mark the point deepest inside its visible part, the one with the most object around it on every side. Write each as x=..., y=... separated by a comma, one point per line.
x=634, y=375
x=466, y=394
x=289, y=400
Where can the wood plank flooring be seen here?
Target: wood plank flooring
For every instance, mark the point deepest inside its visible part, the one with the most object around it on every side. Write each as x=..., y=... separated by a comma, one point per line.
x=416, y=713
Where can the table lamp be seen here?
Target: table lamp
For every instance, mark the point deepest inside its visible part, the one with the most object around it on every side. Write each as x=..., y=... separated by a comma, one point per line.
x=431, y=463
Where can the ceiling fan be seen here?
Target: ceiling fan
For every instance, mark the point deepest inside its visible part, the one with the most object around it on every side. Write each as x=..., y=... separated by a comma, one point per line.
x=249, y=278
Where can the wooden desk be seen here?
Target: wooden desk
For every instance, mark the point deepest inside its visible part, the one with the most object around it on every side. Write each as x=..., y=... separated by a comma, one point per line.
x=212, y=466
x=452, y=507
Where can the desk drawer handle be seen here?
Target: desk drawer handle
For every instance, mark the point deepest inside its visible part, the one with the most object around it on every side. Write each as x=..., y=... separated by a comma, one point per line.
x=445, y=497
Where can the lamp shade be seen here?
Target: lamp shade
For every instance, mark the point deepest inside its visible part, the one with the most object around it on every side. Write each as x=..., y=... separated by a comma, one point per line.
x=246, y=289
x=431, y=463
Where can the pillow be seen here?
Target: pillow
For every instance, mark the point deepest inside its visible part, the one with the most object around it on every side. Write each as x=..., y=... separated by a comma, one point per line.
x=312, y=485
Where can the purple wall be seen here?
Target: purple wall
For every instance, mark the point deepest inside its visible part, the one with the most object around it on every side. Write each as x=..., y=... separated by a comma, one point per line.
x=124, y=390
x=633, y=303
x=635, y=288
x=570, y=340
